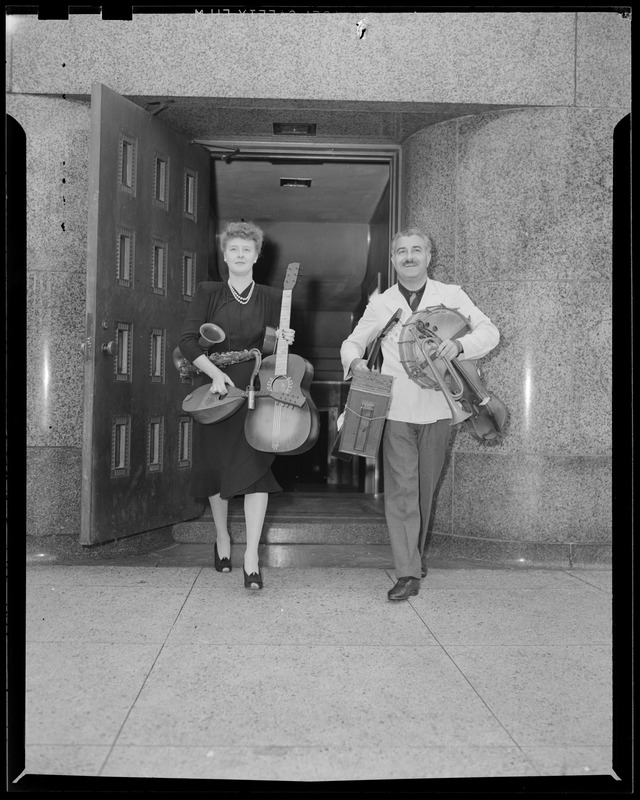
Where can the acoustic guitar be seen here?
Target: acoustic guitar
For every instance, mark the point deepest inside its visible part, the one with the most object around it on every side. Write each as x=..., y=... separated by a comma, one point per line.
x=285, y=419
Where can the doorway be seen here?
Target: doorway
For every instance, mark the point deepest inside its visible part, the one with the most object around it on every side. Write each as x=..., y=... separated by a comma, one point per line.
x=332, y=209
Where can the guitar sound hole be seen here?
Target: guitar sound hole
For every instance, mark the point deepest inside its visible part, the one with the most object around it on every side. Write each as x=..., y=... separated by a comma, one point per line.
x=280, y=384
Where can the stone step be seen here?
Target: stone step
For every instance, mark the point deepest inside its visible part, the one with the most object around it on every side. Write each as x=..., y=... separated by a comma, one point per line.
x=350, y=520
x=301, y=518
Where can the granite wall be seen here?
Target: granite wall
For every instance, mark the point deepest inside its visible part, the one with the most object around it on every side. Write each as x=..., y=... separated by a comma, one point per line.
x=57, y=162
x=534, y=58
x=519, y=205
x=533, y=252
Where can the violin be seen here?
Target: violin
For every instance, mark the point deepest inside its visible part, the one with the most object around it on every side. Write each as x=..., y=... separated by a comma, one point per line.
x=488, y=413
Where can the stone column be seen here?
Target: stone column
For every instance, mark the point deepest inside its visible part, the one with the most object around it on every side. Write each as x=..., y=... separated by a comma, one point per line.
x=57, y=135
x=519, y=205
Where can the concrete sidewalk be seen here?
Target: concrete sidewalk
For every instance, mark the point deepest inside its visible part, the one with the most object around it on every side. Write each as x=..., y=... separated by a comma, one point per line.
x=180, y=672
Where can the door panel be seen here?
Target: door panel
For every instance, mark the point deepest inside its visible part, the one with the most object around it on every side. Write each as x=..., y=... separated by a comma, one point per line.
x=148, y=238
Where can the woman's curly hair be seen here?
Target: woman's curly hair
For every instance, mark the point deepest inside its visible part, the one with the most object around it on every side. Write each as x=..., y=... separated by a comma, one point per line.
x=242, y=230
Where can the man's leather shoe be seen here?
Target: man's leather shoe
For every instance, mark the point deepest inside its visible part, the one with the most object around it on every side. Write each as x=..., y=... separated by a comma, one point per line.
x=404, y=588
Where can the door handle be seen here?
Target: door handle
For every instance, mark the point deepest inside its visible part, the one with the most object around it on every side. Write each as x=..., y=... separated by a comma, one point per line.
x=110, y=348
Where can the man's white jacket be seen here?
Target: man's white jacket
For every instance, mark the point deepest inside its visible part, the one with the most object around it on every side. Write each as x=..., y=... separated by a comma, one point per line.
x=411, y=402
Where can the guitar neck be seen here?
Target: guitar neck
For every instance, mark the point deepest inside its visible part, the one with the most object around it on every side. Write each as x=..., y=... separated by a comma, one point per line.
x=282, y=348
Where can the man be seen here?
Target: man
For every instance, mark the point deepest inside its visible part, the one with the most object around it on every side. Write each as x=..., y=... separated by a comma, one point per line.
x=417, y=428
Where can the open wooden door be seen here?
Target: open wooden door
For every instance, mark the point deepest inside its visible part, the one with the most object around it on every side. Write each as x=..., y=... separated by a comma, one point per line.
x=148, y=247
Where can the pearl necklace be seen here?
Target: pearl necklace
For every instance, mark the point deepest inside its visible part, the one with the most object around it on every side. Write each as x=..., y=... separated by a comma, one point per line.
x=242, y=300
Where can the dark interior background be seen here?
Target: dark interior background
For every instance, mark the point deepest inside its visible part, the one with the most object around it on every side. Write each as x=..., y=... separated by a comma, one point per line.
x=337, y=228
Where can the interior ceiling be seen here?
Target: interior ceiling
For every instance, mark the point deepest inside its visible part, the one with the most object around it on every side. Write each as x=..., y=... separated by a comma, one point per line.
x=338, y=192
x=340, y=121
x=251, y=189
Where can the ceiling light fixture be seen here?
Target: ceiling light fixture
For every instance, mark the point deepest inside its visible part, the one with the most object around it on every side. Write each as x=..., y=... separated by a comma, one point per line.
x=296, y=183
x=294, y=129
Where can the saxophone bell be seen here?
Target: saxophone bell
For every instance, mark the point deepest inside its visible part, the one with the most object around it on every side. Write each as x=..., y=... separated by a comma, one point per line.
x=210, y=334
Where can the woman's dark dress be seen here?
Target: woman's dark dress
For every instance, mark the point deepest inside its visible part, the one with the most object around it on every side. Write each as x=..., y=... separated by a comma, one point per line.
x=223, y=460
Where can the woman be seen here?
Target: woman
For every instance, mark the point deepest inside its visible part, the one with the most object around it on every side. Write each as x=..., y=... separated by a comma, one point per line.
x=224, y=464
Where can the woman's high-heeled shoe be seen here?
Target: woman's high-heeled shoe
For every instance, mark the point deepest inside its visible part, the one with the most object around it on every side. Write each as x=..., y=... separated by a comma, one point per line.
x=221, y=564
x=253, y=581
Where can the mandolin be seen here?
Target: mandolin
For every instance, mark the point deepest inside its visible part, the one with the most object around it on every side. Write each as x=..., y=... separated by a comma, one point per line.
x=208, y=408
x=285, y=419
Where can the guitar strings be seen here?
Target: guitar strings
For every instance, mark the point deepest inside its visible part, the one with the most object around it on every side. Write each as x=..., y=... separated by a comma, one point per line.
x=276, y=426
